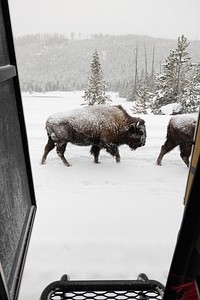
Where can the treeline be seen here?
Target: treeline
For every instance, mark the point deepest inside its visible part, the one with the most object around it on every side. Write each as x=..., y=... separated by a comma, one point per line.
x=54, y=62
x=178, y=84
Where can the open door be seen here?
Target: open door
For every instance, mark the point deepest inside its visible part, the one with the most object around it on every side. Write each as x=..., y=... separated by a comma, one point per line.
x=17, y=199
x=185, y=266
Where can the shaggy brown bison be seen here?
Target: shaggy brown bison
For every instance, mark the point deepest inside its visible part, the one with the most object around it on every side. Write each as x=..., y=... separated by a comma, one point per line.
x=100, y=126
x=180, y=132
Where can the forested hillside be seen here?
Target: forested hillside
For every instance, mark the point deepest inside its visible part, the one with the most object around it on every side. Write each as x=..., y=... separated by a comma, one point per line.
x=54, y=62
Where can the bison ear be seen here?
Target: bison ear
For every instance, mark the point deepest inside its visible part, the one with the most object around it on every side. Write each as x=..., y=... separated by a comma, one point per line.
x=141, y=122
x=132, y=128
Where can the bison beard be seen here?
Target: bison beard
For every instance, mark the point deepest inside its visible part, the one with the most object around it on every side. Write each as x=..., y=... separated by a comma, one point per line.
x=101, y=126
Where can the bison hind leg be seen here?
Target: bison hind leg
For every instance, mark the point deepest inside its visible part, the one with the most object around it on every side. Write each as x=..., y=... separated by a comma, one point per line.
x=186, y=160
x=160, y=156
x=114, y=151
x=95, y=150
x=60, y=149
x=167, y=147
x=185, y=153
x=49, y=146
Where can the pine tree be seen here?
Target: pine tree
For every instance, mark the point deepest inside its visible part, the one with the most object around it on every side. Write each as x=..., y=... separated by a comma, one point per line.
x=95, y=94
x=143, y=97
x=140, y=105
x=171, y=83
x=190, y=100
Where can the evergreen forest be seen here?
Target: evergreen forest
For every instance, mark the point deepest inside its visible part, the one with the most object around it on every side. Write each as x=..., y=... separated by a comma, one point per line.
x=137, y=67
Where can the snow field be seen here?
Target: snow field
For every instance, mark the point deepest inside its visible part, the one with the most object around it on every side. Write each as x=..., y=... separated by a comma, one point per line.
x=100, y=221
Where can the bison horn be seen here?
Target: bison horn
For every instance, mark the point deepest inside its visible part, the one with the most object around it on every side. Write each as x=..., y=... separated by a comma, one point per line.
x=140, y=122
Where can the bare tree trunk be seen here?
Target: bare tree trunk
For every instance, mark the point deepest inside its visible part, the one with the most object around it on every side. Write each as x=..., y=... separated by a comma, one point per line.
x=136, y=72
x=160, y=64
x=145, y=57
x=152, y=67
x=177, y=86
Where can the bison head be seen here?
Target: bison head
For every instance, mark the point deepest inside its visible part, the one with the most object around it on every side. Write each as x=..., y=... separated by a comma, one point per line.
x=137, y=134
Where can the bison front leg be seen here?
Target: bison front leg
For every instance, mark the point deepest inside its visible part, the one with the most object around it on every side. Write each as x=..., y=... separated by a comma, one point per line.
x=60, y=149
x=49, y=146
x=95, y=150
x=114, y=151
x=167, y=147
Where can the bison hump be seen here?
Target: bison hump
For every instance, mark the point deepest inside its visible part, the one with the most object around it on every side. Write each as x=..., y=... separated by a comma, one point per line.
x=88, y=116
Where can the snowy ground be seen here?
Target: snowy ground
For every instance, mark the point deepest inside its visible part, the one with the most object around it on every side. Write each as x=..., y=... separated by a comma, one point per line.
x=104, y=221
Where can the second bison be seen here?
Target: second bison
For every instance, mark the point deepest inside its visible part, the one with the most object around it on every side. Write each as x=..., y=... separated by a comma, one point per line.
x=100, y=126
x=180, y=132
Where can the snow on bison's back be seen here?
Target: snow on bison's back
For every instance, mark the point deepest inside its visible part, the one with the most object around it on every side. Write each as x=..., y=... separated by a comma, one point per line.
x=101, y=126
x=180, y=132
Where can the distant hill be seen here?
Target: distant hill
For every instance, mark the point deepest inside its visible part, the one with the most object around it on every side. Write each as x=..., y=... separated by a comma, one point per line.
x=54, y=62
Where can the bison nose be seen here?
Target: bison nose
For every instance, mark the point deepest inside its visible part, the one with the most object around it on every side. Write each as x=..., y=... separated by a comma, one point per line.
x=142, y=143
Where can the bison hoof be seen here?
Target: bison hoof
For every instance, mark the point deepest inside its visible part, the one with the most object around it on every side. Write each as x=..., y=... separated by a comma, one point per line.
x=67, y=165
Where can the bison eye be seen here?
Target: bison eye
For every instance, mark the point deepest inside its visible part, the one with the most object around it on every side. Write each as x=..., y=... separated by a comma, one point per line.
x=140, y=132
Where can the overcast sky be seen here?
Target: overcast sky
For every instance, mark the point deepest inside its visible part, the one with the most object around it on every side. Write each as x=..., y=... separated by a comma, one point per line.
x=157, y=18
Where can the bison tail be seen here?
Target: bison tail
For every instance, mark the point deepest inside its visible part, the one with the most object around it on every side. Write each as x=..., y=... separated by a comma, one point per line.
x=51, y=134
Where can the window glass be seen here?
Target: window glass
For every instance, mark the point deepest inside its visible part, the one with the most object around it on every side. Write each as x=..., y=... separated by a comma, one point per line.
x=14, y=188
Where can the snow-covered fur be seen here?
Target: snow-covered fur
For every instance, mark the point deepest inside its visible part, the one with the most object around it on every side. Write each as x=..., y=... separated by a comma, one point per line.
x=180, y=132
x=101, y=126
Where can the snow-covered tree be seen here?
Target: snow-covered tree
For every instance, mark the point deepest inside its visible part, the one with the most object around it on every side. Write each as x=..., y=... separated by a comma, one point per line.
x=172, y=82
x=143, y=96
x=190, y=100
x=95, y=93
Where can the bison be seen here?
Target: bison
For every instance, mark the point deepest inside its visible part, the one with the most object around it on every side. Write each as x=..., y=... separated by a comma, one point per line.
x=180, y=132
x=101, y=126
